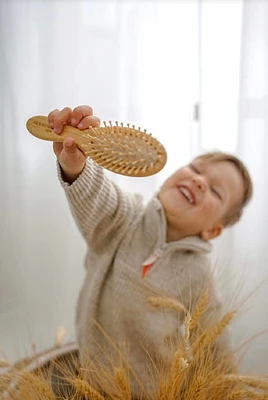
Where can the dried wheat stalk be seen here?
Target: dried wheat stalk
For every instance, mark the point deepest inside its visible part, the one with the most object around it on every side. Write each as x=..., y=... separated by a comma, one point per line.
x=200, y=378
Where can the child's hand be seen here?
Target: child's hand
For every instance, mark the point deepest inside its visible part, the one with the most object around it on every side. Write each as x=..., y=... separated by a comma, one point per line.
x=71, y=159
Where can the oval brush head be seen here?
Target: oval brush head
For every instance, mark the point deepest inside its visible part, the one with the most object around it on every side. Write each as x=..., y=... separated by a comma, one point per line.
x=121, y=149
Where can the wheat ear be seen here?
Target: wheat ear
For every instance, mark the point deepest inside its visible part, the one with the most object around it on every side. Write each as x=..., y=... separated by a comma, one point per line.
x=4, y=363
x=30, y=381
x=123, y=384
x=249, y=381
x=196, y=388
x=246, y=395
x=82, y=387
x=199, y=310
x=177, y=370
x=212, y=334
x=161, y=302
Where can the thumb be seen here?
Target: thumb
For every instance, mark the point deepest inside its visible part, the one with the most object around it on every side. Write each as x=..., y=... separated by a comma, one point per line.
x=69, y=146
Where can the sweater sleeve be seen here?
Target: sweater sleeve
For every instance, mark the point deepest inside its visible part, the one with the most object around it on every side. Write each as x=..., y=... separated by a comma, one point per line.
x=100, y=208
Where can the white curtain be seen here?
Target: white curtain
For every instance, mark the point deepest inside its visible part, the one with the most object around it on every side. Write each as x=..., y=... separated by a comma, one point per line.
x=147, y=63
x=251, y=235
x=234, y=92
x=130, y=61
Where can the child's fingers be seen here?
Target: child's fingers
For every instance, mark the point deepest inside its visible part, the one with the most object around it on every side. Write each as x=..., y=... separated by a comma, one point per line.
x=71, y=151
x=51, y=117
x=61, y=118
x=89, y=121
x=71, y=158
x=79, y=113
x=70, y=146
x=57, y=147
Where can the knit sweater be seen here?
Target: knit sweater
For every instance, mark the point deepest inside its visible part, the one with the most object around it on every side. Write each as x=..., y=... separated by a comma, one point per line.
x=113, y=307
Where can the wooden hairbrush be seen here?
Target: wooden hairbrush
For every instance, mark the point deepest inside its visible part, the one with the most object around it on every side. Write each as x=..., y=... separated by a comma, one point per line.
x=118, y=148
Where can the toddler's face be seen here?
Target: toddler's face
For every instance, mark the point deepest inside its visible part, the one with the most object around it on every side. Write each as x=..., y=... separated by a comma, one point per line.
x=197, y=197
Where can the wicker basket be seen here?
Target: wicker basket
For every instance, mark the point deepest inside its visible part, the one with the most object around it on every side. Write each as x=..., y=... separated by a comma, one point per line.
x=50, y=364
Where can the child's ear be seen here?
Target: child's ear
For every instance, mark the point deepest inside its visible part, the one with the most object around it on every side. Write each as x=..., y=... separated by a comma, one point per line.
x=212, y=233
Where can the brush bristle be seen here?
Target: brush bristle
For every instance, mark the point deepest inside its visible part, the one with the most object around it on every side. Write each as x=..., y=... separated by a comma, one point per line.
x=124, y=150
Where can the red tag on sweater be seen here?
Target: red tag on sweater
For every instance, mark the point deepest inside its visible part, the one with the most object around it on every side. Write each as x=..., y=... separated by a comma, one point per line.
x=146, y=265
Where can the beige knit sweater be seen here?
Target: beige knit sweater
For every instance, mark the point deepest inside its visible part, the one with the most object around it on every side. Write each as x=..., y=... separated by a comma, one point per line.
x=121, y=233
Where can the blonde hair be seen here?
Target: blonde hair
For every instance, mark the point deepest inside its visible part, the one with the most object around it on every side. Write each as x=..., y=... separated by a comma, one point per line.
x=235, y=212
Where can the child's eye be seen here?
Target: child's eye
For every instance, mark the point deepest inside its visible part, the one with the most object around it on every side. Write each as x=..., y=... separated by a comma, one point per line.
x=216, y=193
x=194, y=169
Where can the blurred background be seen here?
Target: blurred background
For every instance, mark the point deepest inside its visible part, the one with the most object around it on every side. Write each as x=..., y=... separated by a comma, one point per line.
x=194, y=73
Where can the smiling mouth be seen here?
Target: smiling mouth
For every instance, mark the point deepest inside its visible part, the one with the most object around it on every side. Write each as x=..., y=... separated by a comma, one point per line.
x=187, y=194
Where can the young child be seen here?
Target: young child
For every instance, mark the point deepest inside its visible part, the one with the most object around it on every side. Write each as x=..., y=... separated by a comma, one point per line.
x=136, y=252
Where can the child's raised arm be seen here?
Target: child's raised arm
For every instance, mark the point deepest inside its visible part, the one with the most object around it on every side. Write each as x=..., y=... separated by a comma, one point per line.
x=101, y=210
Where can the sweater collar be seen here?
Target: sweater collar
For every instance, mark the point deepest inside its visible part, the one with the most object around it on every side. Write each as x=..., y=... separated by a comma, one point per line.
x=191, y=243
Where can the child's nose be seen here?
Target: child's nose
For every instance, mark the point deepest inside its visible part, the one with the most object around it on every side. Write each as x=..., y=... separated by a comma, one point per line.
x=200, y=182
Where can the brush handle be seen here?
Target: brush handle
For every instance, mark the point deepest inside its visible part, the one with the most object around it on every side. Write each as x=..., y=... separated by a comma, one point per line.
x=39, y=127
